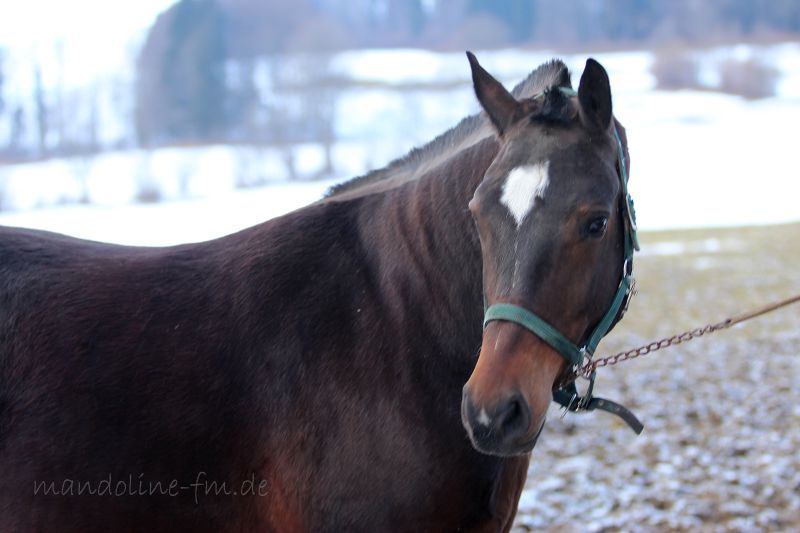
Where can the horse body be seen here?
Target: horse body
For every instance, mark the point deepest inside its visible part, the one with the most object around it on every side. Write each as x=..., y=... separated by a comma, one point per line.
x=306, y=374
x=111, y=367
x=291, y=352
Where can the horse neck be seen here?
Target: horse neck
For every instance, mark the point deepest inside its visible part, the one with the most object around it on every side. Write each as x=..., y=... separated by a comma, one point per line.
x=434, y=262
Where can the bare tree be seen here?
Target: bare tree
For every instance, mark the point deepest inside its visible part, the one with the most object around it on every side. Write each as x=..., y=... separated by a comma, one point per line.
x=181, y=92
x=2, y=81
x=309, y=75
x=58, y=111
x=42, y=115
x=81, y=167
x=16, y=138
x=257, y=27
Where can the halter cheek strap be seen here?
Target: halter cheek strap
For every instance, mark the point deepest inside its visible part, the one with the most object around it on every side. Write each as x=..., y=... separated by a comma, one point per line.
x=568, y=396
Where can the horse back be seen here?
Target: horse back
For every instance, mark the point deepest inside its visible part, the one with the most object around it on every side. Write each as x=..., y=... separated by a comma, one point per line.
x=110, y=369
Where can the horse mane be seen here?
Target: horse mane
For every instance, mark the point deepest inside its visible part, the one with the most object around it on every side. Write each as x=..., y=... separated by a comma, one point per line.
x=467, y=132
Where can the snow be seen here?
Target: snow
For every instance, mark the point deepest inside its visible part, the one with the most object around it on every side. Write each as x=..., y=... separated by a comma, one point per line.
x=177, y=222
x=712, y=160
x=683, y=248
x=114, y=178
x=784, y=57
x=699, y=158
x=396, y=66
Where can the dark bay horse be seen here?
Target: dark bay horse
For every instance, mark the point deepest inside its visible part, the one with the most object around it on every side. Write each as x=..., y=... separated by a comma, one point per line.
x=308, y=374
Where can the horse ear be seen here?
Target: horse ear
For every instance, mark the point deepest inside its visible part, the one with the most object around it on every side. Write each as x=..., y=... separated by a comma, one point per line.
x=498, y=103
x=594, y=95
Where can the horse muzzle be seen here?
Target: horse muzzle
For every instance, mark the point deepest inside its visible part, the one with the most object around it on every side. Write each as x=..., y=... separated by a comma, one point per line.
x=505, y=401
x=503, y=430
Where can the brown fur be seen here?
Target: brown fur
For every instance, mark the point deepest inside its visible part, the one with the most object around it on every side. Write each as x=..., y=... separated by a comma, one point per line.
x=323, y=352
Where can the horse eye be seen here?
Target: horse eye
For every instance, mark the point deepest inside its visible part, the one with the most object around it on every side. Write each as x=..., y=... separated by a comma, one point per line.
x=597, y=227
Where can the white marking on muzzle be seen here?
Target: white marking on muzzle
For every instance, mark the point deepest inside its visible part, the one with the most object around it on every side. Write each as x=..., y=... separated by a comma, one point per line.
x=483, y=418
x=521, y=188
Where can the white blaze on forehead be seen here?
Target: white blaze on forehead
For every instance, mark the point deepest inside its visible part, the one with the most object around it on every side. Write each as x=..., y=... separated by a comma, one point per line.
x=522, y=187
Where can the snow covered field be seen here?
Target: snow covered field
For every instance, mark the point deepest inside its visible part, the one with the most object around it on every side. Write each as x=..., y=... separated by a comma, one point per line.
x=699, y=158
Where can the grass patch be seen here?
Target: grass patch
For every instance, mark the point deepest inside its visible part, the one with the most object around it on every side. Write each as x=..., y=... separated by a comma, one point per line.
x=721, y=272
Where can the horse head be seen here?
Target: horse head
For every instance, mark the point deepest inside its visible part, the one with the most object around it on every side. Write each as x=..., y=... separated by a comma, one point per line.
x=551, y=214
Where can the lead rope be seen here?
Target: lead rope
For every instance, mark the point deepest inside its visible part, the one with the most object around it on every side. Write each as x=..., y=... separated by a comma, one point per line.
x=591, y=366
x=569, y=398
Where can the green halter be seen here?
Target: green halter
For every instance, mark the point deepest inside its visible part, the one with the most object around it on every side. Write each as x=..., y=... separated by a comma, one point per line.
x=568, y=396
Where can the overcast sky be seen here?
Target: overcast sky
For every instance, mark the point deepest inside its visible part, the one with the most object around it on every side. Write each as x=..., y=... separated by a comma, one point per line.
x=95, y=36
x=39, y=22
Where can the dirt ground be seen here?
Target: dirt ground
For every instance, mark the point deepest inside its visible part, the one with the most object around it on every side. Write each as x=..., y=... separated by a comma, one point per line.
x=721, y=446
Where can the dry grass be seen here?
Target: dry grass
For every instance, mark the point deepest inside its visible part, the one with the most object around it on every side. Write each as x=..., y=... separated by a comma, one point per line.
x=721, y=445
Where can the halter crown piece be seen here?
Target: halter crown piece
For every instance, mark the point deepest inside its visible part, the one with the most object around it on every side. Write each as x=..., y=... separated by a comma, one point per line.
x=568, y=395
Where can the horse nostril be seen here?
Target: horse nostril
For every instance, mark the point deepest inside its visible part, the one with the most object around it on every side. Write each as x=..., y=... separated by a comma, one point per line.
x=515, y=417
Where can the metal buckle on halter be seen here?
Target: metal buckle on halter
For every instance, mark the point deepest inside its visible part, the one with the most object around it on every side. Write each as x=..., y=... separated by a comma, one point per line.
x=631, y=212
x=584, y=400
x=566, y=408
x=627, y=272
x=580, y=403
x=628, y=297
x=627, y=267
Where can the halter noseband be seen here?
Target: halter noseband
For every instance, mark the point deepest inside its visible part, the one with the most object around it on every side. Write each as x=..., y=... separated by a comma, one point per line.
x=568, y=395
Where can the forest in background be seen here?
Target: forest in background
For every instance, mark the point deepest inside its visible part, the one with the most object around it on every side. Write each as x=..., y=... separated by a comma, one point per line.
x=259, y=72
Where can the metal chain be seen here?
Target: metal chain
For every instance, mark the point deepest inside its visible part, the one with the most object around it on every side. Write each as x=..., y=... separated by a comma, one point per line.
x=592, y=365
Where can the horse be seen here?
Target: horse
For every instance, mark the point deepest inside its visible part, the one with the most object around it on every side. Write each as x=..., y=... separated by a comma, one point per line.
x=326, y=370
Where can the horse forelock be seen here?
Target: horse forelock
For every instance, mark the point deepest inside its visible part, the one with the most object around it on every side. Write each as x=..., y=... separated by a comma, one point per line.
x=466, y=133
x=554, y=73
